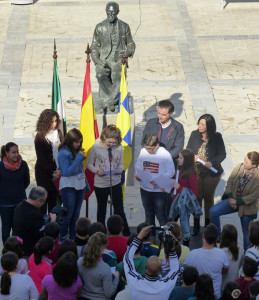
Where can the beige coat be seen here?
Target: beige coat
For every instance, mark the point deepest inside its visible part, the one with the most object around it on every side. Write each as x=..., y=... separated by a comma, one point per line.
x=250, y=194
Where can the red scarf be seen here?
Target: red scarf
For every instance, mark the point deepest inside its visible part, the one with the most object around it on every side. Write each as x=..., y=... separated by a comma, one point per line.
x=12, y=166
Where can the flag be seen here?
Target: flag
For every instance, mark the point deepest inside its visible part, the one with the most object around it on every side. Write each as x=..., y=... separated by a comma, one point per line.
x=123, y=123
x=88, y=126
x=57, y=101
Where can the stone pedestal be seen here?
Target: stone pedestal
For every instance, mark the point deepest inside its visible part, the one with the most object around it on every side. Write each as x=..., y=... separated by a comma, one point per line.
x=105, y=117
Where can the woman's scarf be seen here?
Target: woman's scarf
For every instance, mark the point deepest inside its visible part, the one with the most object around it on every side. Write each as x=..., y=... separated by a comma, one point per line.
x=53, y=138
x=12, y=166
x=244, y=179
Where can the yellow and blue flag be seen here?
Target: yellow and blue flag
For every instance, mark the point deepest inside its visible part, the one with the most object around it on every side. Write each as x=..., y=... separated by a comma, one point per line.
x=123, y=123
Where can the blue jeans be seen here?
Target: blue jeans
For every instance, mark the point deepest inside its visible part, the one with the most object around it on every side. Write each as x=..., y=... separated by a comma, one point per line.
x=155, y=205
x=6, y=214
x=72, y=199
x=223, y=208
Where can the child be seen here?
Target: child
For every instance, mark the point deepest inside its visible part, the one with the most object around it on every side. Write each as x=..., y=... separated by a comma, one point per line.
x=231, y=291
x=14, y=244
x=73, y=183
x=116, y=242
x=14, y=285
x=109, y=152
x=187, y=182
x=190, y=275
x=249, y=270
x=148, y=249
x=254, y=290
x=154, y=160
x=65, y=246
x=52, y=230
x=82, y=225
x=39, y=264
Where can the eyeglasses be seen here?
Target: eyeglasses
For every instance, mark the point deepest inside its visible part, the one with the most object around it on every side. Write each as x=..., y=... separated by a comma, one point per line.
x=111, y=144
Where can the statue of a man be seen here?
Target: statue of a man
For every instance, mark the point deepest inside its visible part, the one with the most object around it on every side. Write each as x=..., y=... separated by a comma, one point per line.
x=112, y=41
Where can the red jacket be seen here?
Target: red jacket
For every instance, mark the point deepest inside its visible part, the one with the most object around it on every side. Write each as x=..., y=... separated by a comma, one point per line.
x=190, y=183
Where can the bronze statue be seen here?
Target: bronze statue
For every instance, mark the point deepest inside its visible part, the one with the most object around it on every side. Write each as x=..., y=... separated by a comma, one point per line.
x=112, y=41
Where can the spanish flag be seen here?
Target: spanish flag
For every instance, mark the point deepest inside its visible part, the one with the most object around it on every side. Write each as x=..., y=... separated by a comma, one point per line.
x=88, y=125
x=123, y=123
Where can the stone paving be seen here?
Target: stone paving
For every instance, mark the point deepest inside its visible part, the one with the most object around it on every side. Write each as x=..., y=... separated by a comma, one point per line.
x=203, y=58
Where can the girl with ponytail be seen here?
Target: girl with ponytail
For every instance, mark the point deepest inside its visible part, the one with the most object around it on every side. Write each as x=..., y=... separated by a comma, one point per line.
x=14, y=285
x=39, y=263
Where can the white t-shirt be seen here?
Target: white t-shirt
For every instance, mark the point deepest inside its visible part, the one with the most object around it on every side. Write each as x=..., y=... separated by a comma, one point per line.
x=210, y=261
x=22, y=288
x=160, y=162
x=253, y=253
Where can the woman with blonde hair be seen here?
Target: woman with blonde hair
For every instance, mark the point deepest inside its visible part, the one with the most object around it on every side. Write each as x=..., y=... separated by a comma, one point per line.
x=73, y=183
x=109, y=148
x=95, y=273
x=46, y=143
x=241, y=195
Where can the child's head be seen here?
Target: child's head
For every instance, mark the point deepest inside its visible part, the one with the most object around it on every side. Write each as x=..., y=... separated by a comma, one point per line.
x=253, y=289
x=186, y=162
x=73, y=140
x=229, y=240
x=151, y=143
x=66, y=271
x=14, y=244
x=231, y=291
x=139, y=228
x=254, y=233
x=211, y=234
x=96, y=227
x=204, y=287
x=190, y=275
x=9, y=263
x=52, y=229
x=111, y=135
x=249, y=267
x=65, y=246
x=130, y=240
x=115, y=224
x=82, y=225
x=43, y=248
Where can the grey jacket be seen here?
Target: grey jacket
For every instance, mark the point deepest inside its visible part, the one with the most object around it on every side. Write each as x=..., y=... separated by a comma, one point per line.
x=175, y=138
x=101, y=45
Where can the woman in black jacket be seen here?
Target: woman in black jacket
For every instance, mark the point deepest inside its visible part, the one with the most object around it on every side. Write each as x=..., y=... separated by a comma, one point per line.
x=208, y=146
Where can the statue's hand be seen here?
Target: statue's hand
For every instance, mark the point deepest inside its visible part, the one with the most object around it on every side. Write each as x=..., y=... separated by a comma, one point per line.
x=123, y=53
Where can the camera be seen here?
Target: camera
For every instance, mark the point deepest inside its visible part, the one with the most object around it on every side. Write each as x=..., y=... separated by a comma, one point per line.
x=165, y=237
x=60, y=212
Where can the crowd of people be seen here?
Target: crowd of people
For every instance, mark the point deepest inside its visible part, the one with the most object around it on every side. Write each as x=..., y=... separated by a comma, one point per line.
x=61, y=256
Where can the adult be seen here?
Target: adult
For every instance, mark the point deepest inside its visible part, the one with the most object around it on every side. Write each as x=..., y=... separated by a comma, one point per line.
x=241, y=195
x=207, y=145
x=169, y=131
x=112, y=41
x=209, y=259
x=73, y=183
x=46, y=144
x=98, y=282
x=65, y=282
x=151, y=286
x=28, y=220
x=154, y=160
x=14, y=179
x=108, y=150
x=14, y=285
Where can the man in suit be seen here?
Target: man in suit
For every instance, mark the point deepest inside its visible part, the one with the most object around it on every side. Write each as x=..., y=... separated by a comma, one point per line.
x=112, y=41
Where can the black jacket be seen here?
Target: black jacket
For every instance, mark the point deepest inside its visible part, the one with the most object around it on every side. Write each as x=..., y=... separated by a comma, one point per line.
x=215, y=149
x=175, y=138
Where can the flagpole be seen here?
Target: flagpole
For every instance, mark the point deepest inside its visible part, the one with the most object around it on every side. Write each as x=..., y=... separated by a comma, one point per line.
x=88, y=60
x=55, y=50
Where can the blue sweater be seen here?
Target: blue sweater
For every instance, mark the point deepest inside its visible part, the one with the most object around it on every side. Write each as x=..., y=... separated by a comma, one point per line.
x=13, y=184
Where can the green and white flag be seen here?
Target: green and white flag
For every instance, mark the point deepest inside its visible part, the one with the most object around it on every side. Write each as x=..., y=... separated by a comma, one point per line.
x=57, y=101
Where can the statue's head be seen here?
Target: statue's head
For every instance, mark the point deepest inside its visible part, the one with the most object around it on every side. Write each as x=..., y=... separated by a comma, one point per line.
x=112, y=10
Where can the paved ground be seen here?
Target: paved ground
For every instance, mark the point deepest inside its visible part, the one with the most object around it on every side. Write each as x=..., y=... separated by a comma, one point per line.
x=202, y=57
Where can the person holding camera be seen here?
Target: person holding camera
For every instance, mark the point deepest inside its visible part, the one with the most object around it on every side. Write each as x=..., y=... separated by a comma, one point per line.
x=151, y=285
x=28, y=220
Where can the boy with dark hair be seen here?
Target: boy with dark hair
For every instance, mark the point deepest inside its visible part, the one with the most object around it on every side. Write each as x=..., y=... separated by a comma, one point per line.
x=249, y=270
x=82, y=225
x=190, y=275
x=209, y=259
x=116, y=242
x=253, y=290
x=148, y=249
x=52, y=230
